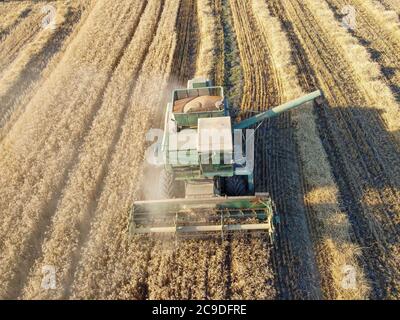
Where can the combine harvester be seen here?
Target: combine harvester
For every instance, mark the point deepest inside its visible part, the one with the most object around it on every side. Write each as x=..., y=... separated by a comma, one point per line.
x=207, y=183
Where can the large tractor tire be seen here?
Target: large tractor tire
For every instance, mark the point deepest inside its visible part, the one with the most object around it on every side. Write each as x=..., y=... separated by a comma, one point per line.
x=235, y=186
x=167, y=185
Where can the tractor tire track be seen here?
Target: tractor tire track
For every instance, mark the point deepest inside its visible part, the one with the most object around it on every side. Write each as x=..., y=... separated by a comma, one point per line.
x=218, y=9
x=232, y=71
x=187, y=29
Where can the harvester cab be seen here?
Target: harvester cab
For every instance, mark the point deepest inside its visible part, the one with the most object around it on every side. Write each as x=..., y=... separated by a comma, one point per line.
x=207, y=183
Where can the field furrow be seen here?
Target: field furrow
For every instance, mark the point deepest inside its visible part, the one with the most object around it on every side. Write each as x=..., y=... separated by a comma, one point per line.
x=13, y=13
x=187, y=46
x=220, y=43
x=207, y=29
x=229, y=63
x=36, y=203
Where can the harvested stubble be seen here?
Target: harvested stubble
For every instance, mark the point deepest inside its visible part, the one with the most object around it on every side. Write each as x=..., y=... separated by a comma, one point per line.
x=187, y=29
x=251, y=275
x=332, y=239
x=193, y=270
x=220, y=43
x=229, y=71
x=207, y=28
x=386, y=13
x=112, y=266
x=56, y=103
x=46, y=169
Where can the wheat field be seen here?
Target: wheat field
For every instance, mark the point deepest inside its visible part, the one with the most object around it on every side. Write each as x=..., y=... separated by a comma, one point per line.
x=82, y=82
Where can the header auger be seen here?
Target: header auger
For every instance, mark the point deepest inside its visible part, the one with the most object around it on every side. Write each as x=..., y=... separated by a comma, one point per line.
x=207, y=183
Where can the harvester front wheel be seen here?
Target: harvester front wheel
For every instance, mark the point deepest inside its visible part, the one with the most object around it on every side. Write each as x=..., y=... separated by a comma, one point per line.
x=167, y=185
x=235, y=186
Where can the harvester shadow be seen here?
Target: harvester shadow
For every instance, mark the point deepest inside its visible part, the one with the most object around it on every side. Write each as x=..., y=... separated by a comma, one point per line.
x=365, y=161
x=278, y=172
x=357, y=131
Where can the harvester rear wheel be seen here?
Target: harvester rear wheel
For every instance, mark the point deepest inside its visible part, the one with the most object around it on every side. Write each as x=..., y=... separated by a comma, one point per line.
x=167, y=185
x=235, y=186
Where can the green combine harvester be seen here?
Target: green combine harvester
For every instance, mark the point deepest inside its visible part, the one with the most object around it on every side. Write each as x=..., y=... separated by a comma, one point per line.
x=207, y=182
